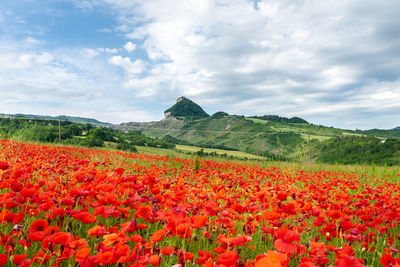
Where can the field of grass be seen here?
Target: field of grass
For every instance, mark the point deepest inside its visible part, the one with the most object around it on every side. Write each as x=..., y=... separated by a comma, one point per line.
x=237, y=154
x=257, y=120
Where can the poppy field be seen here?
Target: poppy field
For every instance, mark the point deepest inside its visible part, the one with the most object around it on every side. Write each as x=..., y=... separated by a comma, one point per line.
x=65, y=206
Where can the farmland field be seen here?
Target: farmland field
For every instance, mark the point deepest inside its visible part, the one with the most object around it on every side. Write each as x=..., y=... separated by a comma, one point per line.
x=64, y=206
x=237, y=154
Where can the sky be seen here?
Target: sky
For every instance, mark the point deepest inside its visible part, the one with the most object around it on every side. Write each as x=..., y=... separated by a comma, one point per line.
x=332, y=62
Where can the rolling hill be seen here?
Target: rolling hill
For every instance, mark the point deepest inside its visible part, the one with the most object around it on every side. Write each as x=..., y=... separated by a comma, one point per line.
x=185, y=109
x=79, y=120
x=186, y=123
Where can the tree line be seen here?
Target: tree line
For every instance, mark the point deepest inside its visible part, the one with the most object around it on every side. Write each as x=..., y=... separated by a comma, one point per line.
x=65, y=132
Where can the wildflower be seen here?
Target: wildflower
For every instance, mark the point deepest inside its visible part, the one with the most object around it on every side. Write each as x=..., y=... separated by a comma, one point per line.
x=97, y=231
x=4, y=165
x=38, y=226
x=166, y=251
x=286, y=241
x=158, y=236
x=155, y=260
x=83, y=253
x=18, y=259
x=184, y=230
x=272, y=258
x=143, y=212
x=387, y=260
x=228, y=258
x=3, y=259
x=199, y=221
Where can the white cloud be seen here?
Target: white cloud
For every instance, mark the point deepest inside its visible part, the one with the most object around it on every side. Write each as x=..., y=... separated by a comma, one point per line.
x=108, y=30
x=132, y=67
x=29, y=41
x=109, y=50
x=129, y=46
x=95, y=52
x=24, y=60
x=337, y=76
x=293, y=56
x=91, y=52
x=85, y=4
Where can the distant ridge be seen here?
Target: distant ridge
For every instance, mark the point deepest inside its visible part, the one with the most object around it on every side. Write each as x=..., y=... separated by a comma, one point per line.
x=80, y=120
x=277, y=118
x=185, y=109
x=272, y=136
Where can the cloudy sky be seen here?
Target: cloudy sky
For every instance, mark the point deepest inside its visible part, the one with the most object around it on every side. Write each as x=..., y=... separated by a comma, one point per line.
x=332, y=62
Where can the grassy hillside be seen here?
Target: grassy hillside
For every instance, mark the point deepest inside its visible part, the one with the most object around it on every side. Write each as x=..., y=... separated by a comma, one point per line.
x=230, y=132
x=276, y=138
x=381, y=133
x=354, y=149
x=271, y=136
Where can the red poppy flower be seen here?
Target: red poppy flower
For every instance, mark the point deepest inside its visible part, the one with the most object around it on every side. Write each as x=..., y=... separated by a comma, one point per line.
x=119, y=171
x=142, y=226
x=188, y=256
x=284, y=240
x=4, y=165
x=85, y=217
x=335, y=214
x=349, y=261
x=136, y=238
x=184, y=230
x=38, y=226
x=16, y=186
x=228, y=258
x=28, y=192
x=36, y=236
x=83, y=253
x=3, y=259
x=106, y=258
x=62, y=238
x=97, y=231
x=319, y=221
x=158, y=236
x=114, y=238
x=272, y=258
x=204, y=256
x=166, y=251
x=143, y=212
x=219, y=250
x=122, y=250
x=52, y=229
x=155, y=260
x=18, y=259
x=199, y=221
x=387, y=260
x=282, y=196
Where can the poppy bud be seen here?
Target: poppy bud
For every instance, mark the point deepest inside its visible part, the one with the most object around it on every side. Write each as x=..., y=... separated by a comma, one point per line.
x=18, y=227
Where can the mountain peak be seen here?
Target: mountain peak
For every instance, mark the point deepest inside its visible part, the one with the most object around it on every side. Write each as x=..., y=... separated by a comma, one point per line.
x=186, y=109
x=181, y=98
